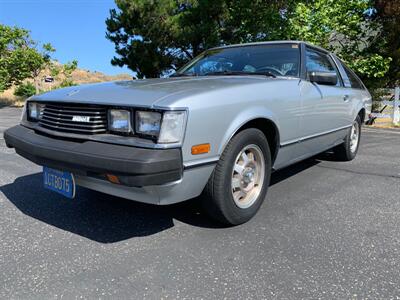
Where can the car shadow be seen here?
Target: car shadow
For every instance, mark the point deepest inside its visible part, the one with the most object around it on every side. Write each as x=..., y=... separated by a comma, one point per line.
x=108, y=219
x=97, y=216
x=293, y=170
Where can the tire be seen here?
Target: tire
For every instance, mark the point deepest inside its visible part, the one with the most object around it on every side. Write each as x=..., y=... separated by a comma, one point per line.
x=348, y=150
x=226, y=204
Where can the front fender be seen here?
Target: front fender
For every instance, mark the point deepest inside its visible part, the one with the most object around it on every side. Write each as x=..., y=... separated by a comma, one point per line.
x=245, y=116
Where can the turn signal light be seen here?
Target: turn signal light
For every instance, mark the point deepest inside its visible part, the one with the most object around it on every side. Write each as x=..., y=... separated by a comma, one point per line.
x=113, y=178
x=201, y=149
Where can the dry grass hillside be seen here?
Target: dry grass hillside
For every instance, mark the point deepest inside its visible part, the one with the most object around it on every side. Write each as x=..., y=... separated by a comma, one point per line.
x=79, y=76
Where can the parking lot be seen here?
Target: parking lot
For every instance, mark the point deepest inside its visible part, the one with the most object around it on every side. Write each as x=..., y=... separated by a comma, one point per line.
x=326, y=230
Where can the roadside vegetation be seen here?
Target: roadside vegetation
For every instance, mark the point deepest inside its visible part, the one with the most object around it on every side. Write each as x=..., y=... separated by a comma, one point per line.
x=27, y=68
x=153, y=38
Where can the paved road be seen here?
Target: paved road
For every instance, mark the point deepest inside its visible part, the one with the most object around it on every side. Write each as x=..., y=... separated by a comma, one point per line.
x=326, y=230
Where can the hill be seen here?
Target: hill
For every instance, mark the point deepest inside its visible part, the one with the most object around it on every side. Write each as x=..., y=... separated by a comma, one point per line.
x=79, y=76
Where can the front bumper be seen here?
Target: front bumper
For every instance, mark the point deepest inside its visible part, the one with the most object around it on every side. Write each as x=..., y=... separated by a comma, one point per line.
x=135, y=167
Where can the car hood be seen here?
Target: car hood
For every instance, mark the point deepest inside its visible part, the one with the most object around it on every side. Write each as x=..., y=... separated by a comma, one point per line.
x=149, y=92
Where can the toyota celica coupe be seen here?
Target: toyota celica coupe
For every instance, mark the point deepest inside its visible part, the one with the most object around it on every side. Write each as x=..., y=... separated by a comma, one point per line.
x=216, y=128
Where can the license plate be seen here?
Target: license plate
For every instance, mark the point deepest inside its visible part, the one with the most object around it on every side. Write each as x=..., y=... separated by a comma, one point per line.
x=59, y=181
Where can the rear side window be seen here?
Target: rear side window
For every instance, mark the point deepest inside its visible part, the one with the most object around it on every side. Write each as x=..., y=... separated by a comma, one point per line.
x=354, y=81
x=320, y=62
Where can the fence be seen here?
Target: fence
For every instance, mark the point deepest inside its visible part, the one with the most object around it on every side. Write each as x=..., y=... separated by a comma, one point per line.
x=388, y=106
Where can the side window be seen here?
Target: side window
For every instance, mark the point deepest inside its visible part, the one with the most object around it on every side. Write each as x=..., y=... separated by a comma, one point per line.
x=320, y=62
x=355, y=82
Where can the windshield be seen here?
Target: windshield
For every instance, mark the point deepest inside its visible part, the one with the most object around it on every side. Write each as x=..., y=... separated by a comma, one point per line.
x=271, y=59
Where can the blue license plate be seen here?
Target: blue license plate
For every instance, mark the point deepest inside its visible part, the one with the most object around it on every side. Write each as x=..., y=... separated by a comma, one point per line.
x=59, y=181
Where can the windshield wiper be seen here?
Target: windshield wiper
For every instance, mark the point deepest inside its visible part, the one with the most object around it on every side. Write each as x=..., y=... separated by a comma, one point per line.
x=183, y=75
x=233, y=73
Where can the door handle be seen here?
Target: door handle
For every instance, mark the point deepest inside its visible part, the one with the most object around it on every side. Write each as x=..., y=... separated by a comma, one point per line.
x=346, y=98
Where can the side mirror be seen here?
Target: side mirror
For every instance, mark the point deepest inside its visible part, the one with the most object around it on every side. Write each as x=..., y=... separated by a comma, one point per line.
x=327, y=78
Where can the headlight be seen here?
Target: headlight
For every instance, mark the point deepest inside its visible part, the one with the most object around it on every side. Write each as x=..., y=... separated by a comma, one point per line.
x=172, y=127
x=168, y=127
x=148, y=123
x=120, y=120
x=34, y=110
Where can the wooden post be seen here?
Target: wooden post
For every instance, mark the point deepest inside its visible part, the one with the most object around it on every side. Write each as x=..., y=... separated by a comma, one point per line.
x=396, y=112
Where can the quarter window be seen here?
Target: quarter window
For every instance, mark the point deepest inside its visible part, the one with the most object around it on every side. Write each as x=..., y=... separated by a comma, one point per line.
x=355, y=82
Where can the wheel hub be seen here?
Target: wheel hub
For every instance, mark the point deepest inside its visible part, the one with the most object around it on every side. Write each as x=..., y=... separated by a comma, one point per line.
x=248, y=176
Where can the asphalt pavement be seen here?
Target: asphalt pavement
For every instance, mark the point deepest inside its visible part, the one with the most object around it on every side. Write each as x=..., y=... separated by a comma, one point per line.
x=326, y=230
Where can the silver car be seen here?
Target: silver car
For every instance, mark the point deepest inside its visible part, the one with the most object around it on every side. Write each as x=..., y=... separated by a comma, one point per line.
x=217, y=128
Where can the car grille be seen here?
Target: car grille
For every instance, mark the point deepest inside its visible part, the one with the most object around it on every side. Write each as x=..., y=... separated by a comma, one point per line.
x=74, y=118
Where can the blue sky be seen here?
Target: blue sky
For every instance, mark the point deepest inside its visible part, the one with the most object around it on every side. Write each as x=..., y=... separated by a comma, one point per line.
x=76, y=28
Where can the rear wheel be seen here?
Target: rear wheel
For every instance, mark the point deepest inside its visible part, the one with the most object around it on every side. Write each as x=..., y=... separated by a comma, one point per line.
x=348, y=150
x=239, y=182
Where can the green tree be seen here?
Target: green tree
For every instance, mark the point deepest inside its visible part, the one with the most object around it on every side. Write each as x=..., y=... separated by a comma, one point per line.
x=20, y=57
x=342, y=27
x=13, y=42
x=153, y=37
x=63, y=72
x=67, y=70
x=35, y=62
x=388, y=16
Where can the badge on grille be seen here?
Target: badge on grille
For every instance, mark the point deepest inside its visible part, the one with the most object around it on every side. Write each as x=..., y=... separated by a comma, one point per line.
x=81, y=119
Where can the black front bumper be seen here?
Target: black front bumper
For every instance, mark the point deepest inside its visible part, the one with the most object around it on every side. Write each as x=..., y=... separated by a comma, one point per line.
x=133, y=166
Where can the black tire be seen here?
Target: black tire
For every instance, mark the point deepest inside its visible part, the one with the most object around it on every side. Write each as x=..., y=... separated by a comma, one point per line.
x=217, y=198
x=343, y=152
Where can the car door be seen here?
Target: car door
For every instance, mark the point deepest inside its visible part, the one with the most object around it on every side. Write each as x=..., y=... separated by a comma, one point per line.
x=324, y=107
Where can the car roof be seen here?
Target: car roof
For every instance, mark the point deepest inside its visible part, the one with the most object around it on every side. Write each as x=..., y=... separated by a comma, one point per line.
x=270, y=43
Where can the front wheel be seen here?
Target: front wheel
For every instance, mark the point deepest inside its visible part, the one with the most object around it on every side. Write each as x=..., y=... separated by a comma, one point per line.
x=239, y=182
x=348, y=150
